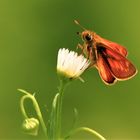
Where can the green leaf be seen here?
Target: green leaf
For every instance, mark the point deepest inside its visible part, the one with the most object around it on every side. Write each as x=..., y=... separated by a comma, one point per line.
x=53, y=116
x=24, y=91
x=75, y=119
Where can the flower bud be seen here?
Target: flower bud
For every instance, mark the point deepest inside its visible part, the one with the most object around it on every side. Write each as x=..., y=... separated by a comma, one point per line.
x=31, y=126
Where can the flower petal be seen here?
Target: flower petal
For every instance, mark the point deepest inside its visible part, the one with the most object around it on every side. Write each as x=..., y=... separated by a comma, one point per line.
x=70, y=64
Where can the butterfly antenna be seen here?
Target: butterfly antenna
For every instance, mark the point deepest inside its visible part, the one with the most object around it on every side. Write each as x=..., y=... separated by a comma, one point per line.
x=76, y=22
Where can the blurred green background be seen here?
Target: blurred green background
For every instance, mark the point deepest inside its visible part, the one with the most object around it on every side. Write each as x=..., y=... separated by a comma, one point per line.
x=32, y=31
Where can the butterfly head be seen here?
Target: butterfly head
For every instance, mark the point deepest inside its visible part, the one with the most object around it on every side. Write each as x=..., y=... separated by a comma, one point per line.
x=86, y=35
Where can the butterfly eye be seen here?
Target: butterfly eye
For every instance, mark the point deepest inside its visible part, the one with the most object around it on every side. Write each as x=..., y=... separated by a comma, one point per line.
x=88, y=37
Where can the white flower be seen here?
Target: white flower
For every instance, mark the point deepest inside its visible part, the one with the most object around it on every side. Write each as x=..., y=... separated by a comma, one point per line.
x=70, y=64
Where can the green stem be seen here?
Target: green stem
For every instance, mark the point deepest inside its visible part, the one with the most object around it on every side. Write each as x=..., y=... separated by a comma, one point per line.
x=59, y=109
x=93, y=132
x=37, y=109
x=22, y=106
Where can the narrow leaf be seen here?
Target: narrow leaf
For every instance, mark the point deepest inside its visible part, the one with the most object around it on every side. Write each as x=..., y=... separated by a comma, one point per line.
x=53, y=117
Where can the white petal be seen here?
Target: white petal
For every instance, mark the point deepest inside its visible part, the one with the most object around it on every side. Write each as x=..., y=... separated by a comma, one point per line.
x=70, y=64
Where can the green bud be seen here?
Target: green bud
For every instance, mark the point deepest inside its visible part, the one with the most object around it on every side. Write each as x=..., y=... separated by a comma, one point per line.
x=31, y=126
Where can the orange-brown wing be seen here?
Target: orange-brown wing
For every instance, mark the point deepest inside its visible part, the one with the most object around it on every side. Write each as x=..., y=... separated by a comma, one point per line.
x=104, y=70
x=120, y=66
x=112, y=45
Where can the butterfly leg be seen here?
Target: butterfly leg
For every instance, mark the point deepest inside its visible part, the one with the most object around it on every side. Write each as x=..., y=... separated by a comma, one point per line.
x=91, y=55
x=81, y=47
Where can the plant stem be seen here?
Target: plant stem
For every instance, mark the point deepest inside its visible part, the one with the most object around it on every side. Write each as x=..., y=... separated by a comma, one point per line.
x=22, y=106
x=93, y=132
x=36, y=107
x=59, y=109
x=39, y=114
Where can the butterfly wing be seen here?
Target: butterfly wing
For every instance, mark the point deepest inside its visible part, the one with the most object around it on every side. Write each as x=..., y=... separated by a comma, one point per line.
x=104, y=70
x=119, y=65
x=112, y=45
